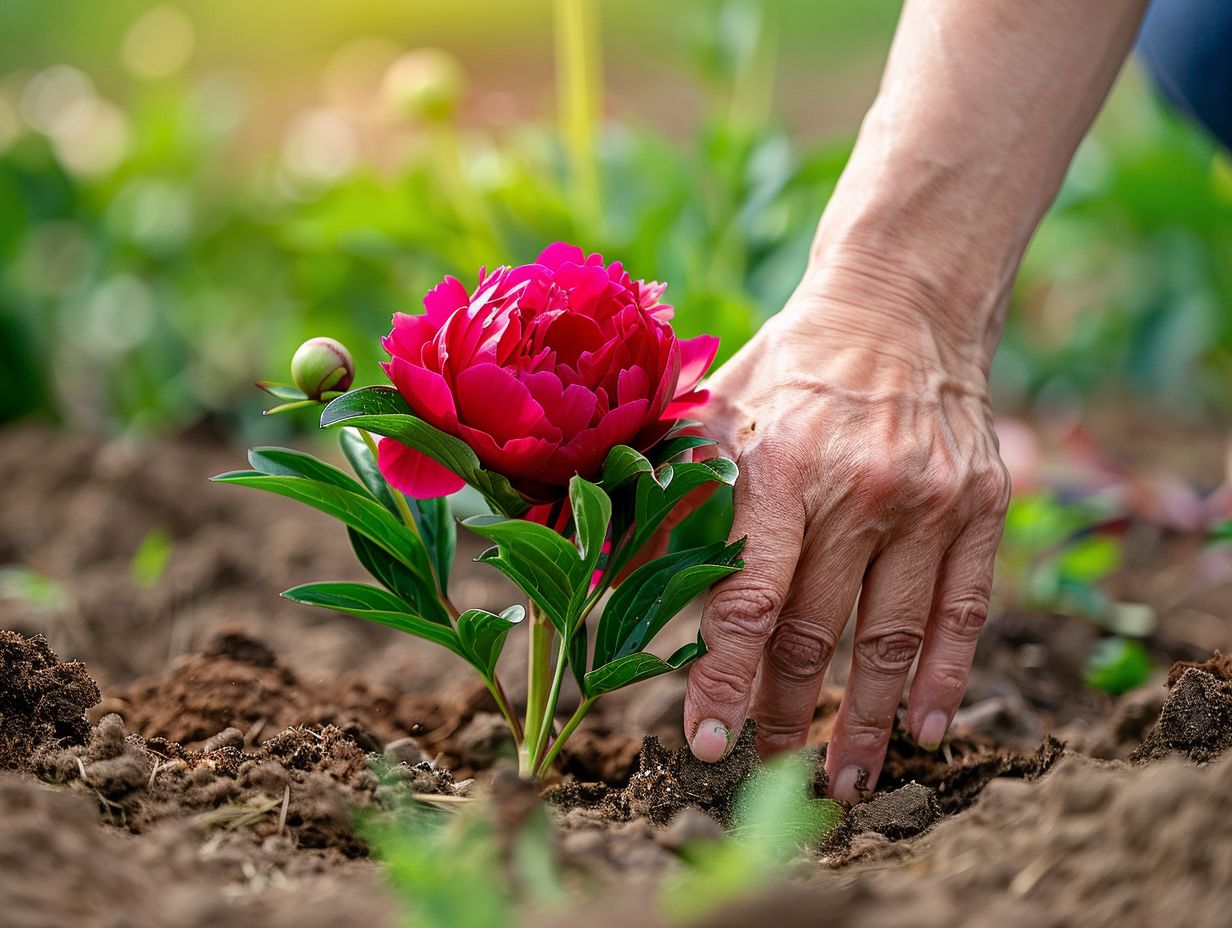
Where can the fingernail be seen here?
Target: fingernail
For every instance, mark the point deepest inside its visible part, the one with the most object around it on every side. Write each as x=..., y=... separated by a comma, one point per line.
x=933, y=730
x=710, y=741
x=850, y=784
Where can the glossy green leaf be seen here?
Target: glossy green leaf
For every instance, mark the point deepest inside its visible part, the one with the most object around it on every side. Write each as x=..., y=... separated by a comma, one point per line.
x=623, y=465
x=383, y=411
x=364, y=464
x=655, y=592
x=288, y=393
x=654, y=500
x=286, y=462
x=482, y=635
x=633, y=668
x=671, y=448
x=439, y=532
x=375, y=605
x=289, y=407
x=362, y=513
x=417, y=593
x=543, y=564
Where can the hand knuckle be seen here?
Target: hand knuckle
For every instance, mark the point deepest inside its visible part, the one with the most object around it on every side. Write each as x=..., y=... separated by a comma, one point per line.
x=799, y=651
x=890, y=652
x=991, y=486
x=721, y=684
x=867, y=734
x=949, y=677
x=746, y=612
x=963, y=617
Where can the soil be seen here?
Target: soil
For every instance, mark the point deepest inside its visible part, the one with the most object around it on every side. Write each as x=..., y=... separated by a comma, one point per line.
x=205, y=764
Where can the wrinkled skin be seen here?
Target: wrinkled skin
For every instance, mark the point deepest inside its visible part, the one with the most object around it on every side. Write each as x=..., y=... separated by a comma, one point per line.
x=869, y=471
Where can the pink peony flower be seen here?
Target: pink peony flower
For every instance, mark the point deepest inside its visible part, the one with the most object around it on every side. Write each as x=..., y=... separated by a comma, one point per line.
x=542, y=370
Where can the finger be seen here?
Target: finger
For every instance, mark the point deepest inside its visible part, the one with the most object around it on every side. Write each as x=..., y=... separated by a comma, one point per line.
x=893, y=612
x=960, y=608
x=741, y=611
x=802, y=643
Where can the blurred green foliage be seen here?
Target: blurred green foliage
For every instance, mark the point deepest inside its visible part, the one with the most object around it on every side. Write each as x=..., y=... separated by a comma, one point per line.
x=167, y=236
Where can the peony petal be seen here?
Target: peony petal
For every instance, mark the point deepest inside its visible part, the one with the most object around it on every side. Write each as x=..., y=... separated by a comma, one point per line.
x=559, y=253
x=425, y=392
x=576, y=410
x=444, y=299
x=517, y=458
x=632, y=384
x=571, y=335
x=414, y=473
x=696, y=356
x=406, y=338
x=681, y=406
x=490, y=399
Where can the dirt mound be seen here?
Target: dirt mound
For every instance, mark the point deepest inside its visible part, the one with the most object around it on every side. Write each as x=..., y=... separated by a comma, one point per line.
x=667, y=782
x=42, y=699
x=1217, y=665
x=57, y=867
x=1196, y=720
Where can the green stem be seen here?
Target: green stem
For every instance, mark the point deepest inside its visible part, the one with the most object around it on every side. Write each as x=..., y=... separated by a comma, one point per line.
x=579, y=80
x=574, y=721
x=538, y=685
x=549, y=710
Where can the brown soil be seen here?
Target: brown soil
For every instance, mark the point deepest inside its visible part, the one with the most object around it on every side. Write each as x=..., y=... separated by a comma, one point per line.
x=215, y=778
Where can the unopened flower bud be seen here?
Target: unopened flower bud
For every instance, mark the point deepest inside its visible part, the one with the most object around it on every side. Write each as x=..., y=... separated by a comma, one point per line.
x=322, y=365
x=424, y=84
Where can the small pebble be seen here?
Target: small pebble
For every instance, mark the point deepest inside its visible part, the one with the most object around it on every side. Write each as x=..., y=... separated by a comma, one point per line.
x=227, y=738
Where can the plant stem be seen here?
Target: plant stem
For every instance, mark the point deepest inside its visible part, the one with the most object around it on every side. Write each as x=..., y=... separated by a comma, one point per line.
x=579, y=89
x=574, y=721
x=538, y=684
x=549, y=710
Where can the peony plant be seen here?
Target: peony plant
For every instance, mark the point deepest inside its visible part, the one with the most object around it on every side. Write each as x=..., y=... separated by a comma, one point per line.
x=559, y=391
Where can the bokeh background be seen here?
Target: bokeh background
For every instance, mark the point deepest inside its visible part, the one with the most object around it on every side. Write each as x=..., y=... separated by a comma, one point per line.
x=188, y=191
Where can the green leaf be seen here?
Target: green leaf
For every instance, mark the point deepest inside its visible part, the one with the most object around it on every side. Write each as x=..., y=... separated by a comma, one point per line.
x=1117, y=665
x=623, y=465
x=383, y=411
x=365, y=466
x=399, y=580
x=655, y=592
x=289, y=407
x=432, y=516
x=286, y=462
x=633, y=668
x=659, y=493
x=543, y=564
x=671, y=448
x=288, y=393
x=578, y=651
x=375, y=605
x=483, y=634
x=439, y=532
x=362, y=513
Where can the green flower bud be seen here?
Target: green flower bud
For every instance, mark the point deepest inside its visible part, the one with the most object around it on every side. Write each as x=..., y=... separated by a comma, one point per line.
x=424, y=84
x=322, y=365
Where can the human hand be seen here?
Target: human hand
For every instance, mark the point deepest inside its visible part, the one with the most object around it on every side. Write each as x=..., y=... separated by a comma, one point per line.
x=860, y=418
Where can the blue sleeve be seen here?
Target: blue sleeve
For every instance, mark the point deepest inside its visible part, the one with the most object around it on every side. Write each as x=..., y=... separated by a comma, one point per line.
x=1187, y=48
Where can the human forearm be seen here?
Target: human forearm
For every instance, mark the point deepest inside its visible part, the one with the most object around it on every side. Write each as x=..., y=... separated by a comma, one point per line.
x=980, y=110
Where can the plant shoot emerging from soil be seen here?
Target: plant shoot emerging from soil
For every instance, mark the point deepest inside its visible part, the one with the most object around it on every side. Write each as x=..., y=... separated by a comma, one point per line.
x=556, y=390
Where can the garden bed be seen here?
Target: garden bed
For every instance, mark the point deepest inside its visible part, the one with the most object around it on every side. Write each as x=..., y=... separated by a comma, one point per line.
x=232, y=735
